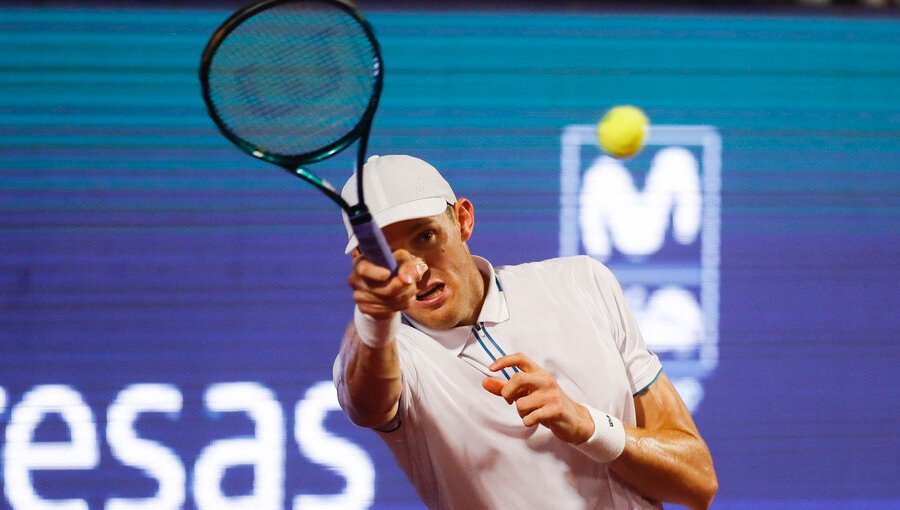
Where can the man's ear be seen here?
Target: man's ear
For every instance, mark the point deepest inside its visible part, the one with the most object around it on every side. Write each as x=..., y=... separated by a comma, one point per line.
x=465, y=216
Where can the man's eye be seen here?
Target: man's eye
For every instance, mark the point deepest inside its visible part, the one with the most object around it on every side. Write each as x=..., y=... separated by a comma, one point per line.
x=426, y=236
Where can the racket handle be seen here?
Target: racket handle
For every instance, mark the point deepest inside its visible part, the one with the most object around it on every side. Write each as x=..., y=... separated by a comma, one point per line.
x=372, y=244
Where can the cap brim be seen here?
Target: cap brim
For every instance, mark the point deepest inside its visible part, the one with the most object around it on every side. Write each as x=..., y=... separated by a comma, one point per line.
x=421, y=208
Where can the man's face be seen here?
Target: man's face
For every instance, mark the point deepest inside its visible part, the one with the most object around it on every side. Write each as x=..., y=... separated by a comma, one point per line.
x=451, y=292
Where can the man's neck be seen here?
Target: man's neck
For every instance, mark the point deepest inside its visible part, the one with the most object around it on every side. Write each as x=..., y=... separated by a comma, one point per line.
x=479, y=281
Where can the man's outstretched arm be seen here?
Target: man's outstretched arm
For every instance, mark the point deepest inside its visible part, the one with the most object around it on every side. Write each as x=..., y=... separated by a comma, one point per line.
x=369, y=382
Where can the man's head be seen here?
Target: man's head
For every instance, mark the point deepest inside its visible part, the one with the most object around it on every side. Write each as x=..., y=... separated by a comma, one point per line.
x=418, y=212
x=398, y=188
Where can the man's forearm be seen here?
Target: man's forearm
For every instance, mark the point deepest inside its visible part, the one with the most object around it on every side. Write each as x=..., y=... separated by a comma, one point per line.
x=668, y=465
x=371, y=380
x=664, y=457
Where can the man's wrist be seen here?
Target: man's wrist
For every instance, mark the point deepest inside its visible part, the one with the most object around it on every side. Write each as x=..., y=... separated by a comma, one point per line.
x=607, y=442
x=375, y=333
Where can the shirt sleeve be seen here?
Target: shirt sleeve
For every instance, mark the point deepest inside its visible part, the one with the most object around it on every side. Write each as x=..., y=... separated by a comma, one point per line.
x=642, y=366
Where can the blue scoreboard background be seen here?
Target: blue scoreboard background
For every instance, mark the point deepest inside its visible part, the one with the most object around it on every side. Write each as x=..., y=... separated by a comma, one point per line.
x=170, y=308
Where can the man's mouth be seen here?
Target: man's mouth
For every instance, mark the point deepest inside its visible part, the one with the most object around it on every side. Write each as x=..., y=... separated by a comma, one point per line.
x=430, y=293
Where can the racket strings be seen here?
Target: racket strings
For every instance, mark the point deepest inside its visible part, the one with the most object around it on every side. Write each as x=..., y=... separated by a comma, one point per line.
x=294, y=78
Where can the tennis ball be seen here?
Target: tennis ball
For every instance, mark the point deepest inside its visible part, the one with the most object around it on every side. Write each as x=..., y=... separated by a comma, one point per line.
x=621, y=131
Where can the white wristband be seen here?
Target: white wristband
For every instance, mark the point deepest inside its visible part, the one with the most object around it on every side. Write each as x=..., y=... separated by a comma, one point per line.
x=608, y=440
x=376, y=333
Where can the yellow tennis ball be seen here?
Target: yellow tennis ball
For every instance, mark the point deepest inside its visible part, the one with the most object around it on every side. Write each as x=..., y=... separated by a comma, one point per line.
x=622, y=130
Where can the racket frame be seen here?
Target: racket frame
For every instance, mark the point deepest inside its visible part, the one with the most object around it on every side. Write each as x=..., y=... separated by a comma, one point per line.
x=369, y=236
x=294, y=164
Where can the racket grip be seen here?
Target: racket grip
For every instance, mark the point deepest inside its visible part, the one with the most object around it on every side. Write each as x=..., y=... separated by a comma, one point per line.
x=371, y=241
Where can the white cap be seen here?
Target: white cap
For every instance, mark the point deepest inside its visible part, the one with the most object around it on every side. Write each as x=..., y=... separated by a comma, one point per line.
x=398, y=188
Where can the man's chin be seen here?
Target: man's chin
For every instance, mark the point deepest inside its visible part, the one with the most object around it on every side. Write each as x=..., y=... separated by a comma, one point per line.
x=432, y=319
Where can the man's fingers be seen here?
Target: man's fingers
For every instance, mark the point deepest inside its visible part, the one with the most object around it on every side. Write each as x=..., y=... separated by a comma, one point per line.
x=410, y=273
x=393, y=301
x=527, y=405
x=393, y=290
x=376, y=309
x=521, y=385
x=538, y=398
x=370, y=271
x=410, y=269
x=376, y=290
x=493, y=385
x=540, y=415
x=523, y=362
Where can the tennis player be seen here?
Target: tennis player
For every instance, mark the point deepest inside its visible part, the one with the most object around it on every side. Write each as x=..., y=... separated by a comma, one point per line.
x=506, y=387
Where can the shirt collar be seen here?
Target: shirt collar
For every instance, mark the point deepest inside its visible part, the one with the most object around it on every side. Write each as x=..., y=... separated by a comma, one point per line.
x=494, y=310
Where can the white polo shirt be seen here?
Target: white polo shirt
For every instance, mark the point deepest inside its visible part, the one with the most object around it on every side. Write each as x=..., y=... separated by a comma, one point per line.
x=465, y=448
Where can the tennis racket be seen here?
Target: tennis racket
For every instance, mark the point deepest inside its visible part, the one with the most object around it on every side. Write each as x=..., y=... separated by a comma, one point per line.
x=293, y=82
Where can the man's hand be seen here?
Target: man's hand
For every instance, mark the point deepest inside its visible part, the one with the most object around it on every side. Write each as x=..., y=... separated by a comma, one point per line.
x=380, y=295
x=540, y=400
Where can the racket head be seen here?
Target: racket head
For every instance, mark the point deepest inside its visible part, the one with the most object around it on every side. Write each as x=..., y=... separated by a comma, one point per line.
x=293, y=82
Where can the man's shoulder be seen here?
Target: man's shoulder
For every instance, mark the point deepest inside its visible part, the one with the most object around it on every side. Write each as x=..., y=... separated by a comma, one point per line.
x=576, y=265
x=557, y=274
